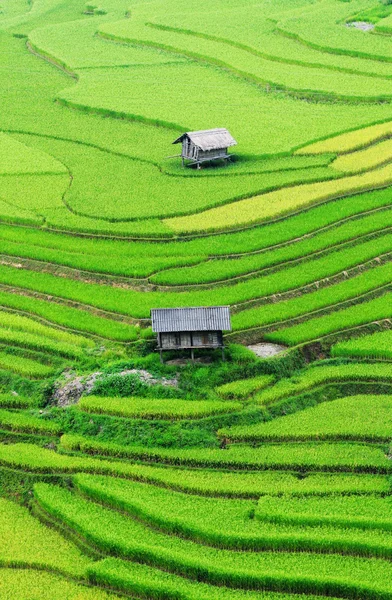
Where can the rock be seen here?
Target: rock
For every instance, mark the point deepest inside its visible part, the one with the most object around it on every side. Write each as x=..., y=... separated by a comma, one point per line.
x=76, y=386
x=265, y=350
x=362, y=25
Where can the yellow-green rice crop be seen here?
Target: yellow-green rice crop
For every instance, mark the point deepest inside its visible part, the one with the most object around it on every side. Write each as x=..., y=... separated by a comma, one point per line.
x=28, y=543
x=16, y=157
x=279, y=202
x=362, y=160
x=146, y=408
x=353, y=140
x=367, y=418
x=32, y=584
x=25, y=423
x=24, y=366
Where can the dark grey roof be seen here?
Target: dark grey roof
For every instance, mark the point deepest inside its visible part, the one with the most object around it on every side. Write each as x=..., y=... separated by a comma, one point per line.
x=210, y=139
x=200, y=318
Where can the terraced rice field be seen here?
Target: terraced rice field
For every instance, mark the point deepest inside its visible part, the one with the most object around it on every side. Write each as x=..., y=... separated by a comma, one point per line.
x=251, y=479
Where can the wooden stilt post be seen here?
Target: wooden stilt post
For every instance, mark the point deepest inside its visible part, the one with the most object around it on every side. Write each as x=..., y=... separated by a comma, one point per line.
x=160, y=354
x=223, y=354
x=192, y=355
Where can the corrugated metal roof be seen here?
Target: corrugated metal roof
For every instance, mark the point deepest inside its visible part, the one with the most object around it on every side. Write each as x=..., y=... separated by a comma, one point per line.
x=210, y=139
x=200, y=318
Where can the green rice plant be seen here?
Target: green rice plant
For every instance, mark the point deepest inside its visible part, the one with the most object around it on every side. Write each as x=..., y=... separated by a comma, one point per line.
x=372, y=15
x=138, y=258
x=146, y=408
x=15, y=401
x=324, y=29
x=71, y=318
x=322, y=375
x=370, y=512
x=362, y=160
x=277, y=203
x=377, y=345
x=366, y=418
x=350, y=141
x=137, y=304
x=32, y=584
x=93, y=95
x=385, y=24
x=15, y=157
x=24, y=366
x=20, y=323
x=226, y=523
x=242, y=388
x=248, y=63
x=25, y=423
x=116, y=534
x=297, y=456
x=138, y=193
x=28, y=543
x=194, y=481
x=151, y=582
x=353, y=316
x=218, y=269
x=35, y=341
x=326, y=298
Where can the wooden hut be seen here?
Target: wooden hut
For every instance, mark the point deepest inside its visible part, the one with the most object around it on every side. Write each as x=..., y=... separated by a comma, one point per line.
x=202, y=146
x=190, y=328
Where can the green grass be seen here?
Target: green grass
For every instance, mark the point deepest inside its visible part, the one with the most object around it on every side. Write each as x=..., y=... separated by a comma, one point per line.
x=151, y=582
x=84, y=161
x=139, y=258
x=21, y=323
x=374, y=156
x=35, y=341
x=366, y=418
x=243, y=388
x=248, y=63
x=328, y=33
x=146, y=408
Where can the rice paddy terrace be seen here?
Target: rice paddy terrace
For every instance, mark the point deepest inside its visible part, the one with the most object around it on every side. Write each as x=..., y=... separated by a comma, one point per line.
x=252, y=479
